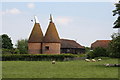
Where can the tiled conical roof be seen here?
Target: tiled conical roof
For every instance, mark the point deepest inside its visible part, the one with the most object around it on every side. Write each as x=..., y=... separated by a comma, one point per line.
x=36, y=35
x=51, y=35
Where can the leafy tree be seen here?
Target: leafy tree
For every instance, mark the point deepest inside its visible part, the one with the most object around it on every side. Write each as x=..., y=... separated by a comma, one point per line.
x=117, y=12
x=90, y=54
x=16, y=51
x=22, y=46
x=7, y=51
x=100, y=52
x=114, y=46
x=87, y=49
x=6, y=42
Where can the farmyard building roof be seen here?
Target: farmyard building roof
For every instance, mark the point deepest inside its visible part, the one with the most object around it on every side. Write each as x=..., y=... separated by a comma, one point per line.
x=66, y=43
x=51, y=35
x=36, y=35
x=100, y=43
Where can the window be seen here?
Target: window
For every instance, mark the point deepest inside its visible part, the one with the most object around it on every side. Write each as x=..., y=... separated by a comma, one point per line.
x=46, y=47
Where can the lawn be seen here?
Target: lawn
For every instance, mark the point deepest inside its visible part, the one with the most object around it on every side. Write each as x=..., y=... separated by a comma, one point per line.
x=66, y=69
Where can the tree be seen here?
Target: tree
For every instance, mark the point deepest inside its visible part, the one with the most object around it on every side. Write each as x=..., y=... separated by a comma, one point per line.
x=100, y=52
x=22, y=46
x=6, y=42
x=117, y=12
x=90, y=54
x=87, y=49
x=114, y=46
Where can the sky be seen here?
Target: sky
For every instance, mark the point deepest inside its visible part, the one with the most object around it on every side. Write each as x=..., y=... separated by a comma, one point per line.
x=84, y=22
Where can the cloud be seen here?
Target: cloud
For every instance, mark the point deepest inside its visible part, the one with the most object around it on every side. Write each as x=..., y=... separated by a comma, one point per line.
x=31, y=5
x=11, y=11
x=63, y=20
x=116, y=1
x=2, y=12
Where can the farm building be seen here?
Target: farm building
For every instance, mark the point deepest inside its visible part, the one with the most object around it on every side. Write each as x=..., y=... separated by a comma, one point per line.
x=51, y=42
x=100, y=43
x=71, y=46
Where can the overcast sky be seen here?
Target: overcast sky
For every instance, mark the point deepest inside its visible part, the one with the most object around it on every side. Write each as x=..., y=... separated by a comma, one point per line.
x=84, y=22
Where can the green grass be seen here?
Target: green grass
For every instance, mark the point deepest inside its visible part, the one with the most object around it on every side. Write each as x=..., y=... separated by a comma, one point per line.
x=67, y=69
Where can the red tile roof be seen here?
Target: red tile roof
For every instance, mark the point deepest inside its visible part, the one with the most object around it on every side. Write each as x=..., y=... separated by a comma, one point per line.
x=100, y=43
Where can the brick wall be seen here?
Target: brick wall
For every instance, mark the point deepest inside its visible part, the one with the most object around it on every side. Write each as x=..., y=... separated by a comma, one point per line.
x=34, y=48
x=51, y=48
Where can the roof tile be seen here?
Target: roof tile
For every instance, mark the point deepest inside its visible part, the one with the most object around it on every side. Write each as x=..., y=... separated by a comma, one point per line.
x=36, y=34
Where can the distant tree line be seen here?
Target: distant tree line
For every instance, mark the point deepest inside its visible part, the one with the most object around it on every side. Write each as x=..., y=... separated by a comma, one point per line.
x=7, y=46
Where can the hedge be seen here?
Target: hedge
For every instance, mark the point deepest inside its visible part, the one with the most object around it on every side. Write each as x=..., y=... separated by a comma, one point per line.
x=36, y=57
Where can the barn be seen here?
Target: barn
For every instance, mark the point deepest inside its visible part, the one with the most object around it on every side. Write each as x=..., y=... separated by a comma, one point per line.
x=100, y=43
x=71, y=46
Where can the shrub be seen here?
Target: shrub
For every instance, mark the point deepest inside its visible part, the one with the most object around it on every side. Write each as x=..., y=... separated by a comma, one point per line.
x=22, y=46
x=90, y=54
x=36, y=57
x=100, y=52
x=16, y=51
x=7, y=51
x=81, y=55
x=114, y=46
x=87, y=49
x=10, y=51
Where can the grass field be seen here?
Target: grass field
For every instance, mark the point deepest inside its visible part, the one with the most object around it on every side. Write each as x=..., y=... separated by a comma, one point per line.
x=66, y=69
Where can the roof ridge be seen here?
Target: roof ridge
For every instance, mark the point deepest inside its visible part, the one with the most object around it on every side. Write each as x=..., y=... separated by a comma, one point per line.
x=103, y=40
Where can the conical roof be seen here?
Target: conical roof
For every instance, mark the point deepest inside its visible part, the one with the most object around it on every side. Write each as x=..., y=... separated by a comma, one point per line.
x=36, y=35
x=51, y=35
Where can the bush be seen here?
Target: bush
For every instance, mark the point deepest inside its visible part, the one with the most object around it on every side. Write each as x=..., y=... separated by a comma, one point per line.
x=90, y=54
x=7, y=51
x=100, y=52
x=16, y=51
x=22, y=46
x=114, y=46
x=36, y=57
x=10, y=51
x=115, y=55
x=81, y=55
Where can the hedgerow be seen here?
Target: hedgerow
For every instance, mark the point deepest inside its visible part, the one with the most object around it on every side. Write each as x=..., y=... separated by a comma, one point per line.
x=36, y=57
